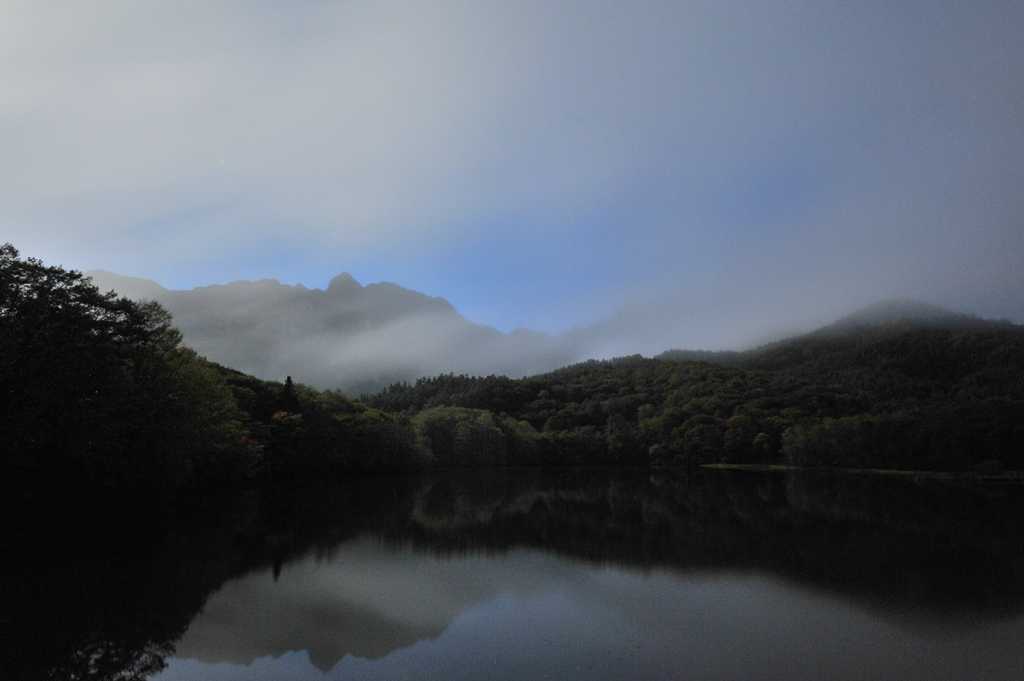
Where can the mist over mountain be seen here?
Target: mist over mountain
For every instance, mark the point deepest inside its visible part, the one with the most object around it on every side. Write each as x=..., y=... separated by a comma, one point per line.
x=906, y=310
x=887, y=317
x=894, y=349
x=353, y=337
x=361, y=338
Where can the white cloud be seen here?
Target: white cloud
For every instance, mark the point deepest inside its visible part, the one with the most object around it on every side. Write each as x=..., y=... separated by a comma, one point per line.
x=196, y=142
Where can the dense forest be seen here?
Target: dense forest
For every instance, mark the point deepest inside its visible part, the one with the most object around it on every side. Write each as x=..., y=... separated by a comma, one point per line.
x=896, y=391
x=99, y=397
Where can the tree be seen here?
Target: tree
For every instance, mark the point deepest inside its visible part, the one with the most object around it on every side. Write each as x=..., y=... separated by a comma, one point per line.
x=96, y=392
x=289, y=400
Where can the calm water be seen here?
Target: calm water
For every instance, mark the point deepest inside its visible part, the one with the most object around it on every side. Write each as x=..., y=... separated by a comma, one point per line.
x=578, y=574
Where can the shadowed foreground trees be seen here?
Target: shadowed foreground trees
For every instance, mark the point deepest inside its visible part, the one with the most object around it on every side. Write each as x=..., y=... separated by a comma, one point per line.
x=98, y=399
x=97, y=393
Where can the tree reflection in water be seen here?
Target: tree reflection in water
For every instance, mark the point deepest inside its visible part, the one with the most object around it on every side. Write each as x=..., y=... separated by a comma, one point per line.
x=108, y=601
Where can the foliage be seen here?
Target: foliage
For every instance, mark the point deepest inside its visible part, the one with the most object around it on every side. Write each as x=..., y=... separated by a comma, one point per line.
x=97, y=394
x=900, y=395
x=458, y=436
x=299, y=431
x=100, y=399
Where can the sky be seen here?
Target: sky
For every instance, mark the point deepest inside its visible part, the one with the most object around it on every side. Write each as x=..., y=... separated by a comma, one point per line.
x=671, y=174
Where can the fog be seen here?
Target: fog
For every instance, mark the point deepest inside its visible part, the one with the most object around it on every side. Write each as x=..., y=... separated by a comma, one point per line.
x=350, y=337
x=624, y=177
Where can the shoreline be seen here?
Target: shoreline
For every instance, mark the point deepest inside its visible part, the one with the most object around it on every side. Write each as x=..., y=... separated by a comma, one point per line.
x=1006, y=476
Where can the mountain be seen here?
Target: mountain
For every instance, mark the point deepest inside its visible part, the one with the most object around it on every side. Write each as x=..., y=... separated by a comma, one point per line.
x=904, y=311
x=353, y=337
x=895, y=349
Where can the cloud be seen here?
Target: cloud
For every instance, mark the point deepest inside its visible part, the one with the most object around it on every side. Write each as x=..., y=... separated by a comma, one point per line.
x=537, y=164
x=252, y=116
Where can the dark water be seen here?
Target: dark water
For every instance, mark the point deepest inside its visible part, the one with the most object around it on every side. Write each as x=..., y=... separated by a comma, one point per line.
x=578, y=574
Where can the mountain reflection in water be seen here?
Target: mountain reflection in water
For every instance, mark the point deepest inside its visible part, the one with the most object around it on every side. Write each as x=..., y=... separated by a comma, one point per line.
x=526, y=614
x=576, y=573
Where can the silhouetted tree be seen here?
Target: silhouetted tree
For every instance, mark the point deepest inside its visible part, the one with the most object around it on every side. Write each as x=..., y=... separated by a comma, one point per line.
x=96, y=393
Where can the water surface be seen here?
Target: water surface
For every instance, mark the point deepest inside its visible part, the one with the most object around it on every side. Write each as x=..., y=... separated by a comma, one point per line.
x=572, y=574
x=375, y=612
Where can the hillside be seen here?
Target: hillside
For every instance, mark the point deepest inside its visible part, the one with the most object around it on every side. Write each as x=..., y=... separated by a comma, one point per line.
x=895, y=350
x=872, y=390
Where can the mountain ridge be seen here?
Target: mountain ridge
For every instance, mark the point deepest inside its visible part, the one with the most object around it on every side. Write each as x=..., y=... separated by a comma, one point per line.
x=363, y=338
x=891, y=315
x=349, y=336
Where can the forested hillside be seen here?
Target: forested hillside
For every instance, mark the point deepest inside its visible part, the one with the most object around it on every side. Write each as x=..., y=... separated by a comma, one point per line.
x=897, y=351
x=941, y=393
x=99, y=401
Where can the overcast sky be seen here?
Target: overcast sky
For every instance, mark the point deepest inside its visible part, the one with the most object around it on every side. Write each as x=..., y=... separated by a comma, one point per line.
x=682, y=174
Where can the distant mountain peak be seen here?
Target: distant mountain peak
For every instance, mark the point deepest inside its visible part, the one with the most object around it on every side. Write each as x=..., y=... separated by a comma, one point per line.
x=897, y=310
x=350, y=336
x=343, y=283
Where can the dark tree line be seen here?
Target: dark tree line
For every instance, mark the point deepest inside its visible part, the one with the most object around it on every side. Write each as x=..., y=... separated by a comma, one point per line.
x=96, y=391
x=99, y=399
x=902, y=394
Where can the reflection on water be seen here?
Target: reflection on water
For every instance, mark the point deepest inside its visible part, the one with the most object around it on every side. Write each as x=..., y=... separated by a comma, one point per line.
x=526, y=614
x=365, y=600
x=561, y=574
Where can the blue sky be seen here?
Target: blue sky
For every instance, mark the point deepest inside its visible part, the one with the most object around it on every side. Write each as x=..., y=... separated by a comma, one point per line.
x=684, y=174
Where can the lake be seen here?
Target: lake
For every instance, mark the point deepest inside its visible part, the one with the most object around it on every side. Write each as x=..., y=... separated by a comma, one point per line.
x=533, y=574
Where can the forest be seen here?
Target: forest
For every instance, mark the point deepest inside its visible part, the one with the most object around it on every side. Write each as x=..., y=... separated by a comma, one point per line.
x=100, y=398
x=898, y=396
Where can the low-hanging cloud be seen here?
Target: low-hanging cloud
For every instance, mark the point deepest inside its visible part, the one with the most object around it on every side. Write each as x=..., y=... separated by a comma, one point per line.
x=356, y=338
